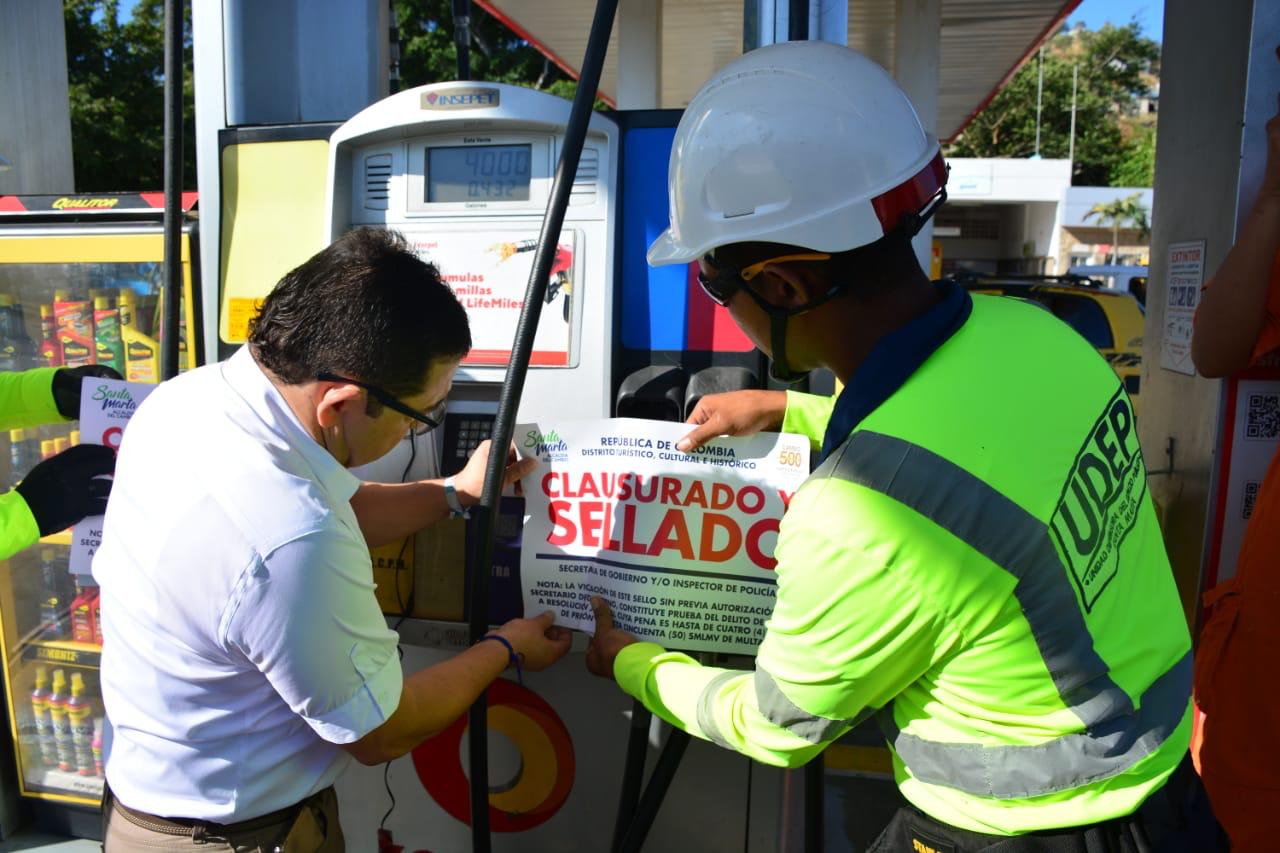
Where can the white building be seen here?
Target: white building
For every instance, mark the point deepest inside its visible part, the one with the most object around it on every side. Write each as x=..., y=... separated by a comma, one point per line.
x=1023, y=216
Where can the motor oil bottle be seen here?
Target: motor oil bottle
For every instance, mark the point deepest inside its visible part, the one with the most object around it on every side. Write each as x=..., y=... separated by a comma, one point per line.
x=108, y=345
x=95, y=746
x=55, y=615
x=157, y=324
x=141, y=351
x=97, y=618
x=82, y=612
x=10, y=336
x=48, y=750
x=80, y=717
x=16, y=346
x=74, y=321
x=58, y=701
x=50, y=348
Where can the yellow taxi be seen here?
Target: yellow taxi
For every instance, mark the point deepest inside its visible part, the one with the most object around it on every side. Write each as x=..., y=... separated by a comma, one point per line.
x=1111, y=320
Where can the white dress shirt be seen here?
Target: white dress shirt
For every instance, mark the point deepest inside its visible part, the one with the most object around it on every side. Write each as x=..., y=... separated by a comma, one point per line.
x=242, y=638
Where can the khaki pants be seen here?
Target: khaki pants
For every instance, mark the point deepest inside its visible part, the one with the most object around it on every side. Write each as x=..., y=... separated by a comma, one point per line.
x=312, y=829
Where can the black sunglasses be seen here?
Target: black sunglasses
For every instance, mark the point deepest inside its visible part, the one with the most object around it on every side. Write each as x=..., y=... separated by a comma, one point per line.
x=428, y=420
x=727, y=281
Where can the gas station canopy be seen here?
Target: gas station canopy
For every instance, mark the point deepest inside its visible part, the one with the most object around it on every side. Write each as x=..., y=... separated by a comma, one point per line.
x=981, y=42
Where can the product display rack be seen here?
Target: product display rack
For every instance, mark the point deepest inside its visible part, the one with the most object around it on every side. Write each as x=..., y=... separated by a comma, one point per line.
x=59, y=758
x=80, y=283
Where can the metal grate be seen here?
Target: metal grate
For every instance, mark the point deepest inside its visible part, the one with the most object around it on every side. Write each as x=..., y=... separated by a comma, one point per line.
x=377, y=181
x=584, y=182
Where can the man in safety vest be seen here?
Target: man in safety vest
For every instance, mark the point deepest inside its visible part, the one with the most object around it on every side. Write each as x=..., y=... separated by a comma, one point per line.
x=63, y=489
x=975, y=561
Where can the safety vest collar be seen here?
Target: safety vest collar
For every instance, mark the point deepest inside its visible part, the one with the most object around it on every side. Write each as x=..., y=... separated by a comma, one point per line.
x=892, y=361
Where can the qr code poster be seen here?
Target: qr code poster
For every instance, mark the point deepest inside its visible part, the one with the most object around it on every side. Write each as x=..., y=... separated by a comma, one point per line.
x=1252, y=439
x=1250, y=498
x=1262, y=417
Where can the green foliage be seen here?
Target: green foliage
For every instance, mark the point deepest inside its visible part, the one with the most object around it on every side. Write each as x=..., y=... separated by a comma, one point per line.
x=1116, y=213
x=1113, y=70
x=429, y=54
x=115, y=73
x=1137, y=164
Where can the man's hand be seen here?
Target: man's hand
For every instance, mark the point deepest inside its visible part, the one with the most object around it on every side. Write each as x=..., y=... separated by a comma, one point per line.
x=66, y=386
x=65, y=488
x=606, y=642
x=734, y=413
x=469, y=482
x=538, y=641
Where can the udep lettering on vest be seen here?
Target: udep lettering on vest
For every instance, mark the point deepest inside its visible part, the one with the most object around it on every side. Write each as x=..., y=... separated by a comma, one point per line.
x=1100, y=500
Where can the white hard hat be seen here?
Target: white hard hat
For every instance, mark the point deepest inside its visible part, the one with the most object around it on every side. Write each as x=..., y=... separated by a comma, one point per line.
x=804, y=143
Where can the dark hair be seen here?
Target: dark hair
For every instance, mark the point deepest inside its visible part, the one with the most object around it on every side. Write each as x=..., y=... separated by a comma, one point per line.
x=367, y=308
x=870, y=270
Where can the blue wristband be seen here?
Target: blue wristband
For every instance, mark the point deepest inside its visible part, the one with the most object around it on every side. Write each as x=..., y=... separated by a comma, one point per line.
x=513, y=658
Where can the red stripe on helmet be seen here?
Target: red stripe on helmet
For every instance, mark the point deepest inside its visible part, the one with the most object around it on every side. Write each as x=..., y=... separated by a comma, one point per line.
x=911, y=195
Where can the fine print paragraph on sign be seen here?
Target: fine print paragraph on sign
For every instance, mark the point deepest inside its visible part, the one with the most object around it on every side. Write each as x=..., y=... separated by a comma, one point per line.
x=680, y=544
x=106, y=405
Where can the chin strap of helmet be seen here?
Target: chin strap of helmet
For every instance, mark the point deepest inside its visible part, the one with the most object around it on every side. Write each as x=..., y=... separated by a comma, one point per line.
x=779, y=368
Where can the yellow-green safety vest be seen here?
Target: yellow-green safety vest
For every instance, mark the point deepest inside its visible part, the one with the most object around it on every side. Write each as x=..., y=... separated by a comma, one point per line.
x=26, y=399
x=978, y=565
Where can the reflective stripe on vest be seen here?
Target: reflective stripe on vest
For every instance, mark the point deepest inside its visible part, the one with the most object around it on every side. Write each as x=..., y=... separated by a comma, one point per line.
x=1116, y=736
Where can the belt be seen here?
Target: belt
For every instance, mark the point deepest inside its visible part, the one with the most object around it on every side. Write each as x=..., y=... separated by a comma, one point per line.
x=199, y=830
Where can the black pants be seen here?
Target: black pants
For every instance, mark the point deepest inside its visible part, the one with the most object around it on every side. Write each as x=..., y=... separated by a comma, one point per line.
x=1175, y=819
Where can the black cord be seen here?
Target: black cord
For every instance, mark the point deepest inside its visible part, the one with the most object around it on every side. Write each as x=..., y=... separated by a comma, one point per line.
x=406, y=608
x=386, y=783
x=746, y=833
x=404, y=613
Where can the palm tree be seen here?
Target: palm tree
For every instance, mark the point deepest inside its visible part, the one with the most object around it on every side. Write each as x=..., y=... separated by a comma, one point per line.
x=1118, y=212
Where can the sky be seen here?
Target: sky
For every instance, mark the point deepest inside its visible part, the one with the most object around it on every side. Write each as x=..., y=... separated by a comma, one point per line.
x=1148, y=13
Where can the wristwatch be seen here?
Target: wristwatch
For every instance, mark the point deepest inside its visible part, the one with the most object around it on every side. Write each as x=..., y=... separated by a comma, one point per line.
x=456, y=509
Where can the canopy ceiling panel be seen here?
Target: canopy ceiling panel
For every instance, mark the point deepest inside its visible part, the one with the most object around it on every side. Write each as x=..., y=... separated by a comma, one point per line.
x=982, y=42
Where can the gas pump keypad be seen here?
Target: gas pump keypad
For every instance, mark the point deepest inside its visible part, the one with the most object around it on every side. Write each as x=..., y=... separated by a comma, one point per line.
x=463, y=433
x=471, y=432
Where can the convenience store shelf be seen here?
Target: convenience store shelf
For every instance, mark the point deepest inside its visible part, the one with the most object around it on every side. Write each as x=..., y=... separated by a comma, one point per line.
x=54, y=781
x=63, y=653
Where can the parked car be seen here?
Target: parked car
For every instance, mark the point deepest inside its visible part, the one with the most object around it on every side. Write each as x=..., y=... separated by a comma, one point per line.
x=1132, y=279
x=1110, y=320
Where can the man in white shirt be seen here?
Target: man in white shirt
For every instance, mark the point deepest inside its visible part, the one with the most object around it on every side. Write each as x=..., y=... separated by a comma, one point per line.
x=246, y=661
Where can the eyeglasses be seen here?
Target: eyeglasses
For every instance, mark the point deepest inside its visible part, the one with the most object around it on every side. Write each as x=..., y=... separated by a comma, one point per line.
x=727, y=281
x=427, y=420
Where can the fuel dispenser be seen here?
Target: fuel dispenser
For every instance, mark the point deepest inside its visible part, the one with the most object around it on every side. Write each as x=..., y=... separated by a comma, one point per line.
x=463, y=170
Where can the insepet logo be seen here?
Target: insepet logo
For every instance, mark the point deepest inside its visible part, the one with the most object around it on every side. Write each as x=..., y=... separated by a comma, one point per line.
x=461, y=99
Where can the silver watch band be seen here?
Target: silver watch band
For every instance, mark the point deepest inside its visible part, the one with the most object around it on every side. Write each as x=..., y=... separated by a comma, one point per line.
x=456, y=509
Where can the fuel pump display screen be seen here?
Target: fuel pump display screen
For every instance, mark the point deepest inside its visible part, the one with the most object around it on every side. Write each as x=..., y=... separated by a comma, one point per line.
x=461, y=173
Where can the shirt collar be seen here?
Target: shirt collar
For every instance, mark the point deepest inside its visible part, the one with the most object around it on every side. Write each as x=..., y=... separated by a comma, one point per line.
x=892, y=361
x=249, y=381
